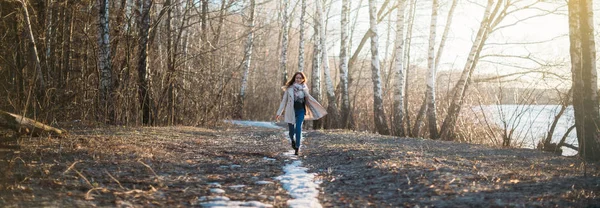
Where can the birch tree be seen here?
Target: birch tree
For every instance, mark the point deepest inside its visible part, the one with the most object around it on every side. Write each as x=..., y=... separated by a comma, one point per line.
x=447, y=130
x=332, y=120
x=345, y=114
x=398, y=116
x=378, y=110
x=437, y=57
x=584, y=75
x=317, y=57
x=431, y=76
x=104, y=62
x=284, y=41
x=247, y=59
x=301, y=41
x=144, y=94
x=41, y=88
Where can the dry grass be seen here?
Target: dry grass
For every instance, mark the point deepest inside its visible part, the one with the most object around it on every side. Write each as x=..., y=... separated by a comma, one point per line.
x=174, y=166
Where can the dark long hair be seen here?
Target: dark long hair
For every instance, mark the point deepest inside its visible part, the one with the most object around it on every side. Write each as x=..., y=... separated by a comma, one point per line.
x=293, y=79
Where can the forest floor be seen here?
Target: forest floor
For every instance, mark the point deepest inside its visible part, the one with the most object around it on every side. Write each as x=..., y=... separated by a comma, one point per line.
x=180, y=166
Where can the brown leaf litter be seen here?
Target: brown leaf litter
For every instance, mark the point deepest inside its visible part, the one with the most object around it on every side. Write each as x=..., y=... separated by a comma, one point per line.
x=178, y=167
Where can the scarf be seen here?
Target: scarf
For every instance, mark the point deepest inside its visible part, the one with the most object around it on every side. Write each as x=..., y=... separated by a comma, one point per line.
x=299, y=91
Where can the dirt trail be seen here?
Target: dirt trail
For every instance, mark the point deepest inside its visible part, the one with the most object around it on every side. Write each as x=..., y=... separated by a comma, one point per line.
x=179, y=166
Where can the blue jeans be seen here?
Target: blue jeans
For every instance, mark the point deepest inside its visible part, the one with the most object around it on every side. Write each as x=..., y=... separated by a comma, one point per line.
x=297, y=130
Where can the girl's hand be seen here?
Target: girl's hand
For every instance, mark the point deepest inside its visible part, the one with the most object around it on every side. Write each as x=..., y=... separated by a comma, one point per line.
x=277, y=118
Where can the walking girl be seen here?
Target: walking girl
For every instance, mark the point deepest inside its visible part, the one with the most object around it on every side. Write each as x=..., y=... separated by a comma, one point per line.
x=298, y=105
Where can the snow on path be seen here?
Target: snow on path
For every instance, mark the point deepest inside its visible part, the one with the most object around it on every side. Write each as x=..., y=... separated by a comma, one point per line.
x=299, y=184
x=264, y=124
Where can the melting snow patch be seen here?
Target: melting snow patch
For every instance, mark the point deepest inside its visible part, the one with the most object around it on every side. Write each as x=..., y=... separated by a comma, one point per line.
x=217, y=190
x=222, y=201
x=300, y=185
x=230, y=166
x=237, y=186
x=255, y=123
x=234, y=204
x=269, y=159
x=214, y=185
x=263, y=182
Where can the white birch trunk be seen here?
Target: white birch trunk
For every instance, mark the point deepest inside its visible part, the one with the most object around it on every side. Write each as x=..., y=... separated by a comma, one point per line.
x=34, y=53
x=301, y=41
x=104, y=61
x=378, y=110
x=316, y=66
x=430, y=91
x=333, y=114
x=447, y=130
x=247, y=59
x=398, y=118
x=445, y=34
x=345, y=114
x=284, y=42
x=317, y=50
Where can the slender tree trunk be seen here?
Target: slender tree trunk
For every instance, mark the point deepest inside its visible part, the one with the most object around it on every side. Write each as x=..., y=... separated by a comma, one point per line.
x=411, y=21
x=204, y=19
x=423, y=108
x=378, y=110
x=41, y=89
x=332, y=120
x=246, y=64
x=317, y=56
x=431, y=78
x=301, y=41
x=217, y=35
x=438, y=56
x=398, y=118
x=447, y=130
x=50, y=29
x=345, y=103
x=144, y=94
x=583, y=69
x=284, y=42
x=104, y=63
x=547, y=142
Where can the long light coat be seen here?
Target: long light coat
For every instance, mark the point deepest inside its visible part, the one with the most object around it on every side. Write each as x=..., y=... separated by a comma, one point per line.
x=314, y=110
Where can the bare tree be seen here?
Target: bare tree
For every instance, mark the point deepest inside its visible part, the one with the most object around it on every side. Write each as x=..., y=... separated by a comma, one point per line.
x=41, y=89
x=104, y=63
x=378, y=110
x=144, y=95
x=345, y=114
x=447, y=130
x=398, y=118
x=584, y=75
x=431, y=76
x=332, y=120
x=317, y=58
x=301, y=41
x=284, y=41
x=424, y=108
x=247, y=59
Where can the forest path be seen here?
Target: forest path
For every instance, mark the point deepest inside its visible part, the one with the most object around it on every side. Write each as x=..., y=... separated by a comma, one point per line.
x=188, y=166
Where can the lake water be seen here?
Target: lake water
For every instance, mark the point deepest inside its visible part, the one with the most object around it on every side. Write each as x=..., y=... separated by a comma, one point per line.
x=532, y=122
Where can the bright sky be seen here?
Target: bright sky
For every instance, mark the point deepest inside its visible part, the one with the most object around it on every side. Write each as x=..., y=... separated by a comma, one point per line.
x=464, y=27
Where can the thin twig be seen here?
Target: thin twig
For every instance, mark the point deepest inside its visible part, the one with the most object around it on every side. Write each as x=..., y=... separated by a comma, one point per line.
x=114, y=179
x=84, y=178
x=156, y=175
x=70, y=167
